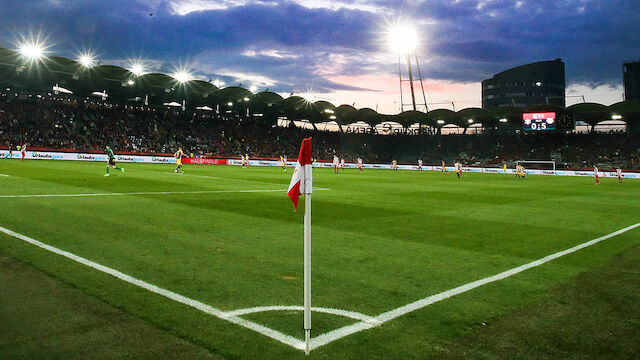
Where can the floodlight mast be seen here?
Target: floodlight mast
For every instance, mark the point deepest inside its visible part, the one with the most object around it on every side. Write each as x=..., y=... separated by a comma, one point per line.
x=403, y=40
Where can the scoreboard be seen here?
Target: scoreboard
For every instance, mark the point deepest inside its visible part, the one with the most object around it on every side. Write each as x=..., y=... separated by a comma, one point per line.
x=539, y=121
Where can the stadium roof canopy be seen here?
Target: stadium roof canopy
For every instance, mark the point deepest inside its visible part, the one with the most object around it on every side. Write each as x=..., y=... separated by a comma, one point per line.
x=123, y=86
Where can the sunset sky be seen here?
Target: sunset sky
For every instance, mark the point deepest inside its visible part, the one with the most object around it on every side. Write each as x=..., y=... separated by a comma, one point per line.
x=335, y=49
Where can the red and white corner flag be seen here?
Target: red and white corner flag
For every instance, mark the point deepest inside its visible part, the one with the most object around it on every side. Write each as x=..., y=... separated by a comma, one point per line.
x=302, y=183
x=302, y=179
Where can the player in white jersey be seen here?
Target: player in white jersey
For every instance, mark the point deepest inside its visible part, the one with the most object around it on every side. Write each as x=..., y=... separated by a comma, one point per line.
x=23, y=150
x=336, y=163
x=595, y=174
x=619, y=173
x=420, y=164
x=360, y=164
x=341, y=164
x=246, y=159
x=458, y=167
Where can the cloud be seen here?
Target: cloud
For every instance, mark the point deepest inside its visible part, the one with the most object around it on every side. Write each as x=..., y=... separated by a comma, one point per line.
x=296, y=44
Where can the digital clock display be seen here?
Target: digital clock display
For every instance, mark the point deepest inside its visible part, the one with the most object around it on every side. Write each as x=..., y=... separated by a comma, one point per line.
x=539, y=121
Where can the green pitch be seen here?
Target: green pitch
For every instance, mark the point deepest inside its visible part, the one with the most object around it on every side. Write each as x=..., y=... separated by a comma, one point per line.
x=228, y=237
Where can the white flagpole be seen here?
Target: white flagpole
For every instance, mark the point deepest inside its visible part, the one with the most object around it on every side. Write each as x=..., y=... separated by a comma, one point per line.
x=307, y=271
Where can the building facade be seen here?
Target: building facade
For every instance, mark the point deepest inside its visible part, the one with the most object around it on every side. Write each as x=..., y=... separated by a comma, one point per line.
x=527, y=85
x=631, y=77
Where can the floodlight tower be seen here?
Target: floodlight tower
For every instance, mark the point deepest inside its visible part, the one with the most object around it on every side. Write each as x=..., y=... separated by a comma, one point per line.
x=402, y=38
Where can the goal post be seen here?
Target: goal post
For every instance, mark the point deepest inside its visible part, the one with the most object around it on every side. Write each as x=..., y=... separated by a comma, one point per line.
x=547, y=163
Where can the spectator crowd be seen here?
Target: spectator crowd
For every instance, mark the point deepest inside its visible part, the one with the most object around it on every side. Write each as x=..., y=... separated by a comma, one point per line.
x=85, y=125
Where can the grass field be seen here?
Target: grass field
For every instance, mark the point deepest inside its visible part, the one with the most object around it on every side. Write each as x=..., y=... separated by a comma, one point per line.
x=227, y=237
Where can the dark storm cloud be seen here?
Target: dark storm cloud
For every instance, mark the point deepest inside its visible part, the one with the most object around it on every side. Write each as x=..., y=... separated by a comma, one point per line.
x=466, y=40
x=593, y=37
x=123, y=29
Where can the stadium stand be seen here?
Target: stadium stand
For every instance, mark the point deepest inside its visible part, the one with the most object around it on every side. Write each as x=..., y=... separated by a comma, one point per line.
x=72, y=124
x=155, y=113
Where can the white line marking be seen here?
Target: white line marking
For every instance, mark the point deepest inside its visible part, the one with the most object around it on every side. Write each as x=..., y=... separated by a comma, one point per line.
x=366, y=322
x=344, y=313
x=138, y=193
x=419, y=304
x=4, y=175
x=276, y=335
x=143, y=193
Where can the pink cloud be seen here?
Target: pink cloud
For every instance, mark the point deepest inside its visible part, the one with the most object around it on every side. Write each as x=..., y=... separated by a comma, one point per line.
x=384, y=92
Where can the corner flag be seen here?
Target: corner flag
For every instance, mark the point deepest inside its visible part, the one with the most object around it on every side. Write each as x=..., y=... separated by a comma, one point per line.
x=302, y=179
x=301, y=183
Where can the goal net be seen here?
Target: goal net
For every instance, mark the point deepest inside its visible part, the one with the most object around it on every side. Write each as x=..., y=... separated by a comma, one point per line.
x=538, y=164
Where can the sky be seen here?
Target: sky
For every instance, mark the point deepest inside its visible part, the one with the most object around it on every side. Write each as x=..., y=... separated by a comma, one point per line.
x=336, y=50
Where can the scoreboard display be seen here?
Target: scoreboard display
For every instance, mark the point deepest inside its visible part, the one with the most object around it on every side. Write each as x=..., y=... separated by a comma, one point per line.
x=539, y=121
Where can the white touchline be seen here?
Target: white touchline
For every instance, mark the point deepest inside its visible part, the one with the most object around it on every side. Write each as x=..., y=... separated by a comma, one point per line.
x=4, y=175
x=143, y=193
x=419, y=304
x=276, y=335
x=366, y=322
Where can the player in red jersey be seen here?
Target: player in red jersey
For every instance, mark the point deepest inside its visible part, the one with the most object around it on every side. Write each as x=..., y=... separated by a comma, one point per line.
x=595, y=173
x=420, y=164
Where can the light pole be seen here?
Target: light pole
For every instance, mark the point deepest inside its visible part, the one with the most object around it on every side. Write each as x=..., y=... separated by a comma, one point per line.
x=402, y=39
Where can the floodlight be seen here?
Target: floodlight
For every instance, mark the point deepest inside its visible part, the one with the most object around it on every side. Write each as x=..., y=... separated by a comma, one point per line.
x=440, y=122
x=86, y=60
x=246, y=99
x=230, y=103
x=137, y=69
x=131, y=82
x=332, y=117
x=218, y=83
x=32, y=51
x=402, y=38
x=616, y=117
x=328, y=111
x=182, y=76
x=538, y=83
x=503, y=120
x=470, y=121
x=309, y=96
x=253, y=88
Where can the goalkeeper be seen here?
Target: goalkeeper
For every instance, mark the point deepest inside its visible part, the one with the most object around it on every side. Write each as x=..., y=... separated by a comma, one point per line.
x=111, y=161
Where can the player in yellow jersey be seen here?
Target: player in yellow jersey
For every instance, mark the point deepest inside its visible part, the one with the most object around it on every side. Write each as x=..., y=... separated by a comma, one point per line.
x=444, y=167
x=504, y=168
x=394, y=165
x=178, y=155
